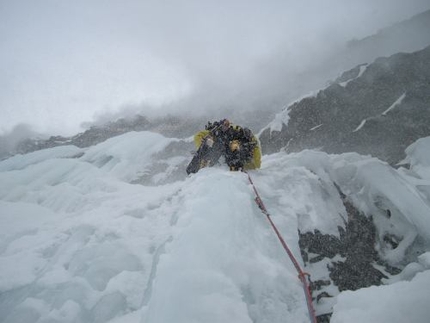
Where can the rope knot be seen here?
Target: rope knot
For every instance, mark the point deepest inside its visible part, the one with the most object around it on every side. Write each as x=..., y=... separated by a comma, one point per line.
x=259, y=203
x=304, y=274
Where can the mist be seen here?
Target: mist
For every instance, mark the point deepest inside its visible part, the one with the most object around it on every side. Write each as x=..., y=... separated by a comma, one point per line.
x=9, y=141
x=65, y=64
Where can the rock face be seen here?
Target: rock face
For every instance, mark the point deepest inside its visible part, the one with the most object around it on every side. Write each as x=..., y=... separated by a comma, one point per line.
x=351, y=260
x=167, y=126
x=90, y=137
x=377, y=109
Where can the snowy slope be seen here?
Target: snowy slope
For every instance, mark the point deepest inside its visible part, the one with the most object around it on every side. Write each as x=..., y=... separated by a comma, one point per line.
x=80, y=243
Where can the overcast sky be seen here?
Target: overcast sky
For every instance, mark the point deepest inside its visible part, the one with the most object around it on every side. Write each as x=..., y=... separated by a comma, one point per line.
x=67, y=62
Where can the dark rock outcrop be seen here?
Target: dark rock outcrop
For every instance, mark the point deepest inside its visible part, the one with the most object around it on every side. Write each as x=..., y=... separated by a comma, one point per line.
x=378, y=109
x=353, y=261
x=169, y=126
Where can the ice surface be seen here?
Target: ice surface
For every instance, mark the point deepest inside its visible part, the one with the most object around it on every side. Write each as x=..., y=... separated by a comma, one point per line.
x=397, y=303
x=80, y=243
x=418, y=156
x=225, y=269
x=22, y=161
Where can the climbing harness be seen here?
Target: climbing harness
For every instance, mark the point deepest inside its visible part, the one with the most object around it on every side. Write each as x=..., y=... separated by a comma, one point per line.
x=301, y=274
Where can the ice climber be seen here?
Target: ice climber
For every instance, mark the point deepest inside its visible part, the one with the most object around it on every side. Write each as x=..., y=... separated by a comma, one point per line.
x=240, y=148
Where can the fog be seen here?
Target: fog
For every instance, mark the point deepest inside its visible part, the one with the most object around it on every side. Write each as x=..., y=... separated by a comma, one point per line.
x=66, y=63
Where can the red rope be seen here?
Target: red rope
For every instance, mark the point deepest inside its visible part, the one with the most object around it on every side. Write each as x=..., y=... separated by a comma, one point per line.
x=301, y=273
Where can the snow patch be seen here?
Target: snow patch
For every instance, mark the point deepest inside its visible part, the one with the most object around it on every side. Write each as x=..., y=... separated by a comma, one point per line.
x=398, y=102
x=283, y=117
x=397, y=303
x=360, y=73
x=316, y=127
x=363, y=122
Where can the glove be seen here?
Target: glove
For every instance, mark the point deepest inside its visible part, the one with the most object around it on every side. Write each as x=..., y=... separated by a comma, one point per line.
x=209, y=141
x=234, y=145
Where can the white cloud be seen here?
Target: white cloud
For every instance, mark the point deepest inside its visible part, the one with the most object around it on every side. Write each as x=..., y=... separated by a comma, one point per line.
x=64, y=62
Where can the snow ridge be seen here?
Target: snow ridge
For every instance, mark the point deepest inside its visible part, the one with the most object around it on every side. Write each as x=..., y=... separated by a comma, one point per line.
x=79, y=242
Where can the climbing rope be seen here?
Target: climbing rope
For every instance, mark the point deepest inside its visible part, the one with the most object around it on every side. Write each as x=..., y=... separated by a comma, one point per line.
x=301, y=274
